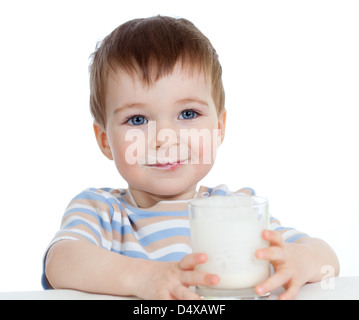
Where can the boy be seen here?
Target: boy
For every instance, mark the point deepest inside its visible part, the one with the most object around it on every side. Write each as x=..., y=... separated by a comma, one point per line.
x=158, y=105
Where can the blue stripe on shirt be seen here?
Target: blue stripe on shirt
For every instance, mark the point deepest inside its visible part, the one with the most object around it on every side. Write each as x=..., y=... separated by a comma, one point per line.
x=283, y=228
x=105, y=225
x=163, y=234
x=173, y=256
x=78, y=235
x=296, y=237
x=90, y=194
x=219, y=192
x=135, y=214
x=122, y=228
x=79, y=222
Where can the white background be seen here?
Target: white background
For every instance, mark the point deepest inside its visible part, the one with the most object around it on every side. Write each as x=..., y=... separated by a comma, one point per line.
x=291, y=73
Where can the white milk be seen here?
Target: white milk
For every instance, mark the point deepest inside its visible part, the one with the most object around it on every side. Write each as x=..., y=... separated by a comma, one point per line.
x=228, y=230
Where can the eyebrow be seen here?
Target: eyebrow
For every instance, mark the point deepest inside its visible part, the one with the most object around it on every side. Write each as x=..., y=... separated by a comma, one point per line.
x=128, y=106
x=190, y=100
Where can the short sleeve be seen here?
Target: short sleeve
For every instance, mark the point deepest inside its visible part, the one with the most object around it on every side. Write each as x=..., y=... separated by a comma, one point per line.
x=88, y=218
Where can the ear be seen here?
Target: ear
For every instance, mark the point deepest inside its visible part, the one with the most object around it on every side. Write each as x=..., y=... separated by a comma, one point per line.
x=102, y=140
x=222, y=117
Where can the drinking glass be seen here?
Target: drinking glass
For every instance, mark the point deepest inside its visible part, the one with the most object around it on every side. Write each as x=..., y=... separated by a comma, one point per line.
x=229, y=230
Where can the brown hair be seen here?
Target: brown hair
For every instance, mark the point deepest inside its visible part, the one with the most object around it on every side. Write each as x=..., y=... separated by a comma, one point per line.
x=151, y=47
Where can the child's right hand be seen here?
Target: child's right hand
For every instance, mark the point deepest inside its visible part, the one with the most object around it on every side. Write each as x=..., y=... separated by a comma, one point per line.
x=171, y=280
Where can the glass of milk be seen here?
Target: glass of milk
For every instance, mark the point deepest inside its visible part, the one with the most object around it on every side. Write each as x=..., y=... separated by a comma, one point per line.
x=229, y=230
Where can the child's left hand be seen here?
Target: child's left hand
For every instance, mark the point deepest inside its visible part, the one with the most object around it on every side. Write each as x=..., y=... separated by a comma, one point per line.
x=291, y=271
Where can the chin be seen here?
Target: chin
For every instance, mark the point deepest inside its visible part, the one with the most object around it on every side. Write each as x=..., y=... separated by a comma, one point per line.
x=169, y=189
x=165, y=183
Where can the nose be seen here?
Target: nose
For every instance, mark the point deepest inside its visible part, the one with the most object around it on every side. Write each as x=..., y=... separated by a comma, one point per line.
x=163, y=133
x=166, y=136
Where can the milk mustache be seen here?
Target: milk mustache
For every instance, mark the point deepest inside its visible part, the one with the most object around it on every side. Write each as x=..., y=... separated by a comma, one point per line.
x=228, y=229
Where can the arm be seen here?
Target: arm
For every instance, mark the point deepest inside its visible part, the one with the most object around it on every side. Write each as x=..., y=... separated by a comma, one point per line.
x=317, y=254
x=295, y=263
x=82, y=266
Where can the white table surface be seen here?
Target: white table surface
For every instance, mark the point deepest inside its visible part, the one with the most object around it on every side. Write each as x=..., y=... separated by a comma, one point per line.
x=341, y=288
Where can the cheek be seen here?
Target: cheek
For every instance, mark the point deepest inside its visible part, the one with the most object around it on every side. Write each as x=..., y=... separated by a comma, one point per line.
x=129, y=148
x=203, y=146
x=125, y=158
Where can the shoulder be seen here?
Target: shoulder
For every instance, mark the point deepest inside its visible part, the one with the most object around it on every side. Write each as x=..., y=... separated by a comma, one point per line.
x=98, y=199
x=100, y=194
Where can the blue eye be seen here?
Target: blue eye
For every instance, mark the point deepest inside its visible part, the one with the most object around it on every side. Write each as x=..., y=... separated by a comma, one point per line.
x=188, y=114
x=137, y=120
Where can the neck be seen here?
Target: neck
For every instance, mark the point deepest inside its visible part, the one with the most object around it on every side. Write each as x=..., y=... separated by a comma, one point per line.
x=145, y=199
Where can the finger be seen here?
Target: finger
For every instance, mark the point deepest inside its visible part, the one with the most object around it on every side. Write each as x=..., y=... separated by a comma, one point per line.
x=274, y=254
x=274, y=282
x=274, y=238
x=290, y=293
x=196, y=278
x=191, y=260
x=184, y=293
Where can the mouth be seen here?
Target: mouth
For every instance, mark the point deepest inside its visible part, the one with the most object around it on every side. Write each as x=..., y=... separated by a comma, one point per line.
x=167, y=166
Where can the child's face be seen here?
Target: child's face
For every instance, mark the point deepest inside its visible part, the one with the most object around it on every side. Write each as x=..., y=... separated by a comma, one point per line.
x=154, y=132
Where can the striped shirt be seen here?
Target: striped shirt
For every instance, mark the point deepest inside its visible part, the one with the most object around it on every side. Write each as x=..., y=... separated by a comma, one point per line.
x=110, y=219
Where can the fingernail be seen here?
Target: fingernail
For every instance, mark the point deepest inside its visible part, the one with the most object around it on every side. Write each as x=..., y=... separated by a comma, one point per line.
x=260, y=254
x=266, y=234
x=202, y=258
x=214, y=279
x=261, y=290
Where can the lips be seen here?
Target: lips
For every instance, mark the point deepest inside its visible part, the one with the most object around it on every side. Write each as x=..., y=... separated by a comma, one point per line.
x=168, y=165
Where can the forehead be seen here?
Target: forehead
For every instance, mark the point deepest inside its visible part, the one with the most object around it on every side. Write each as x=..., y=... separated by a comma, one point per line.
x=153, y=72
x=183, y=79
